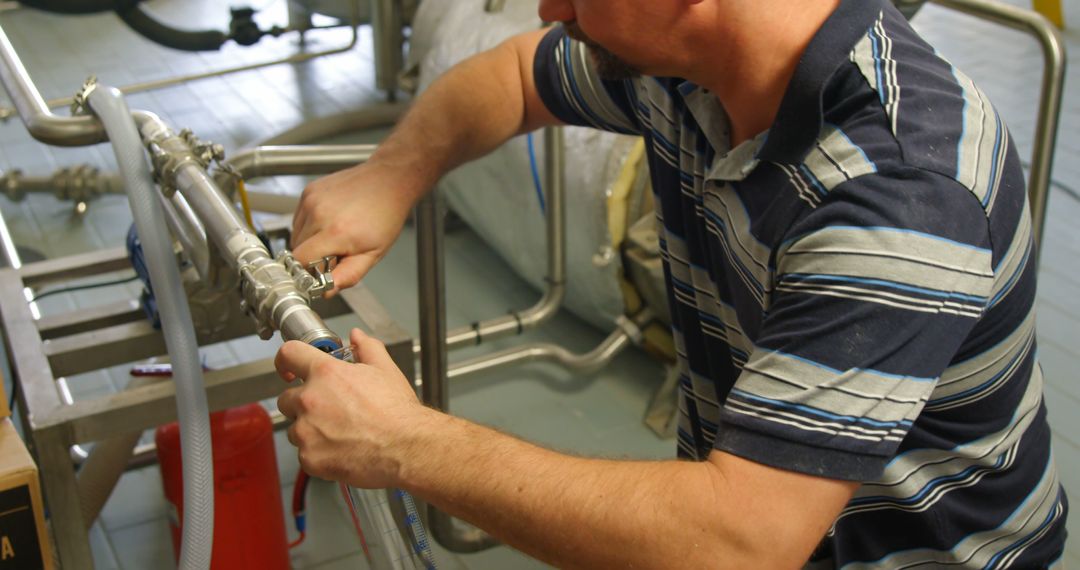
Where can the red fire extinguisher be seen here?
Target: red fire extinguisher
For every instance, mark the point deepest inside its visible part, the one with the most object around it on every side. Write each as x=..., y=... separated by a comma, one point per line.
x=249, y=522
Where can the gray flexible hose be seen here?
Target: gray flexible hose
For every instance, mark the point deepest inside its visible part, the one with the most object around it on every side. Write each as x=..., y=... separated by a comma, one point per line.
x=198, y=518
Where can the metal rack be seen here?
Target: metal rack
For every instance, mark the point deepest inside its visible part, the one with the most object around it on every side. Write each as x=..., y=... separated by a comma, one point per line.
x=41, y=351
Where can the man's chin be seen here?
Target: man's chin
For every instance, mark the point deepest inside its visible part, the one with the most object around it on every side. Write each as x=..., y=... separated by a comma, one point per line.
x=610, y=67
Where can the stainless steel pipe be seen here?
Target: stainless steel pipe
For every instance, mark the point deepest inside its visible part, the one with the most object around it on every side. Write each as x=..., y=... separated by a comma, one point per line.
x=430, y=220
x=583, y=364
x=555, y=227
x=1050, y=93
x=433, y=359
x=77, y=183
x=387, y=23
x=42, y=124
x=270, y=290
x=307, y=159
x=189, y=231
x=434, y=343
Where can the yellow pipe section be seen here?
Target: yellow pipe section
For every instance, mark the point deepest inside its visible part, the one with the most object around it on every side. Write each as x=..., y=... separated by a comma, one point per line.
x=245, y=203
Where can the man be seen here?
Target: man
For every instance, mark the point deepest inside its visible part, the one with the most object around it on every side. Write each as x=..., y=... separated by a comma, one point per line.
x=848, y=257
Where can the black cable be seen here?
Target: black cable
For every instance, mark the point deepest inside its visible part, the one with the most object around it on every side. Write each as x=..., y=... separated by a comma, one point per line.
x=74, y=288
x=1068, y=190
x=168, y=36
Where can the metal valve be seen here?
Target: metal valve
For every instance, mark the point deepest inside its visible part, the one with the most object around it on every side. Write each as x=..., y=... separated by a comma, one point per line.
x=321, y=271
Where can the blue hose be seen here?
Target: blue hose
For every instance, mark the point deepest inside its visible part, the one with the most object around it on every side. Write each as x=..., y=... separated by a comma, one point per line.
x=535, y=173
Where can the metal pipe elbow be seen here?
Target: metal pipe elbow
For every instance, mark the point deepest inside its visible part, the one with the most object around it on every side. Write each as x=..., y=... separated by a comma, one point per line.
x=83, y=130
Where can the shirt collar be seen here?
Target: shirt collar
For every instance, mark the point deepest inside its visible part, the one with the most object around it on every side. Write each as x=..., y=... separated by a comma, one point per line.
x=801, y=114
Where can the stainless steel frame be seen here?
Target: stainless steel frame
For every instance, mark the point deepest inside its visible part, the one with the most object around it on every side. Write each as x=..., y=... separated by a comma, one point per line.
x=66, y=345
x=1050, y=92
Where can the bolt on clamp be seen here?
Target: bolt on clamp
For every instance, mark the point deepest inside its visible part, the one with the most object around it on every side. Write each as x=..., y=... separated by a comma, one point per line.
x=314, y=279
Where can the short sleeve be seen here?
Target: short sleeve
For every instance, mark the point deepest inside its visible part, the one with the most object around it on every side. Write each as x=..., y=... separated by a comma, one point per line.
x=875, y=291
x=570, y=87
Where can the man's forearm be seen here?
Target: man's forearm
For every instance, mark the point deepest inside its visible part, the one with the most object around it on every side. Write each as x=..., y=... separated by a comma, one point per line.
x=468, y=112
x=569, y=511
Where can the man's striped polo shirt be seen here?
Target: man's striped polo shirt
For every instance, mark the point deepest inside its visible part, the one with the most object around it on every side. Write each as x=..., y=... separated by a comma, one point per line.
x=852, y=291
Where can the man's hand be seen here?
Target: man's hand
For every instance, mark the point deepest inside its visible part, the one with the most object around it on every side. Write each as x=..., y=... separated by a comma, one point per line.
x=351, y=421
x=355, y=214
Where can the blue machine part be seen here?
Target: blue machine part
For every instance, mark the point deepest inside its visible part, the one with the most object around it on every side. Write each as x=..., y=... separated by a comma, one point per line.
x=326, y=345
x=138, y=263
x=149, y=304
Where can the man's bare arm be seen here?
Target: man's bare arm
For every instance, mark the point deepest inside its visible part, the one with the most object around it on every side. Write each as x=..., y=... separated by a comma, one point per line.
x=572, y=512
x=468, y=112
x=362, y=424
x=357, y=213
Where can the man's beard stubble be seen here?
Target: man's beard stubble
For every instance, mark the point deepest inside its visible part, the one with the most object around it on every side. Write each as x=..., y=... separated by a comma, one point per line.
x=608, y=65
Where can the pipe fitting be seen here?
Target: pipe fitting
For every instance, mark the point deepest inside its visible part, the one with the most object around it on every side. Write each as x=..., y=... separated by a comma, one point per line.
x=276, y=292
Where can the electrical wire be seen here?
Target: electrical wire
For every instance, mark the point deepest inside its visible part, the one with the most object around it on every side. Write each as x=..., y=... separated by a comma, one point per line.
x=74, y=288
x=1068, y=190
x=241, y=189
x=1054, y=182
x=535, y=172
x=299, y=501
x=355, y=518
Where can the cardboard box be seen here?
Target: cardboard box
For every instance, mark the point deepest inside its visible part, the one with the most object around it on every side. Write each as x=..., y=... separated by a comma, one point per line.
x=23, y=540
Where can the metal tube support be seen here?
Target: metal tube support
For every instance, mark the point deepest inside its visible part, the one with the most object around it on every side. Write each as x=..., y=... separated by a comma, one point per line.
x=433, y=359
x=555, y=227
x=386, y=28
x=42, y=124
x=62, y=494
x=627, y=332
x=1050, y=95
x=432, y=290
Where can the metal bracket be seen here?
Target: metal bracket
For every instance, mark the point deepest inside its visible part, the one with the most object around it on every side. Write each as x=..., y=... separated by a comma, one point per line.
x=79, y=101
x=206, y=152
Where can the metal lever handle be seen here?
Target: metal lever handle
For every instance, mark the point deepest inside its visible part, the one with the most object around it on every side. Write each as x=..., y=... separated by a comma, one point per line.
x=321, y=271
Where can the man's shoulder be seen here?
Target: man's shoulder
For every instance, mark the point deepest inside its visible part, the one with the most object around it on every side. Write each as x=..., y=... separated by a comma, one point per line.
x=905, y=107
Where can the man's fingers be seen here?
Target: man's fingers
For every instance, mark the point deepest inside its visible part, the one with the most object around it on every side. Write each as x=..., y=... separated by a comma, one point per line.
x=298, y=223
x=288, y=403
x=295, y=359
x=350, y=270
x=308, y=248
x=369, y=350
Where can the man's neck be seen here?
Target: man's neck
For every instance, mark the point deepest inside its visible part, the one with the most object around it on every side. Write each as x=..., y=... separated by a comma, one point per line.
x=749, y=66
